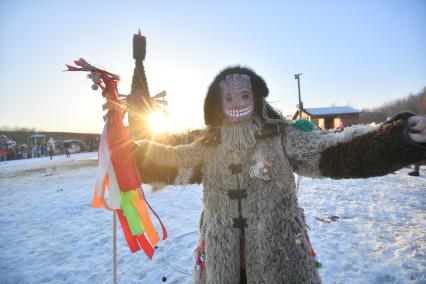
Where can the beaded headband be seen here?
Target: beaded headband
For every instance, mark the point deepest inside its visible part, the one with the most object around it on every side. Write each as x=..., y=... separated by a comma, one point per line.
x=233, y=82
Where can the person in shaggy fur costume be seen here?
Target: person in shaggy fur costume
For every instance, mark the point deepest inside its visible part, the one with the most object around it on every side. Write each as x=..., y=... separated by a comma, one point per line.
x=252, y=229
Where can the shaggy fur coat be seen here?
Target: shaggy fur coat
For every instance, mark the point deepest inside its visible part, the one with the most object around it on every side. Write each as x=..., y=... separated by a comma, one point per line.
x=260, y=167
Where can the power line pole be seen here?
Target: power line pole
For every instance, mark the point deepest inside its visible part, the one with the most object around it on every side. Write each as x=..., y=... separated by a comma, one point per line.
x=300, y=105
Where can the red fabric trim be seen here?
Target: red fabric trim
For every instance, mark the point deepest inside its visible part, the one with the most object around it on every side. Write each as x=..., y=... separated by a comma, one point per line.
x=119, y=144
x=311, y=249
x=145, y=245
x=122, y=158
x=163, y=228
x=131, y=240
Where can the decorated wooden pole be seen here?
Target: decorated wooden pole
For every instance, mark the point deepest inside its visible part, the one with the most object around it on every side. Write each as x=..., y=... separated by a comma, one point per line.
x=114, y=248
x=139, y=103
x=118, y=171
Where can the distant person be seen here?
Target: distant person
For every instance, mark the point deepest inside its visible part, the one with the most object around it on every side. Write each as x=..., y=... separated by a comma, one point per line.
x=24, y=153
x=4, y=154
x=416, y=171
x=10, y=154
x=341, y=127
x=51, y=152
x=68, y=152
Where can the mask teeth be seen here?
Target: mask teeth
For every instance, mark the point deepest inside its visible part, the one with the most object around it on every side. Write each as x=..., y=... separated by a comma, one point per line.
x=239, y=112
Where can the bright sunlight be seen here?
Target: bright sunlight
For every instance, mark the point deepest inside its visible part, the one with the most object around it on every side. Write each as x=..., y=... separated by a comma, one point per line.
x=158, y=122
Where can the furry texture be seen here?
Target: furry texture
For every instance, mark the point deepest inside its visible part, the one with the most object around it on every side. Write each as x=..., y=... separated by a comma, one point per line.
x=373, y=154
x=271, y=208
x=274, y=251
x=153, y=172
x=304, y=149
x=273, y=216
x=239, y=136
x=181, y=156
x=184, y=176
x=159, y=176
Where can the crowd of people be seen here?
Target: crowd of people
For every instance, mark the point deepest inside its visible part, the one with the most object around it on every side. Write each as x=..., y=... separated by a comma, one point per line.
x=16, y=152
x=10, y=150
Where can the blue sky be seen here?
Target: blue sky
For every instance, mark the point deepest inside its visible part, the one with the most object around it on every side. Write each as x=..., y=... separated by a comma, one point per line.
x=361, y=53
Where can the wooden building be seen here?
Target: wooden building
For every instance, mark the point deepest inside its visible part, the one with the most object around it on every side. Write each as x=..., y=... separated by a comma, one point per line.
x=36, y=139
x=330, y=117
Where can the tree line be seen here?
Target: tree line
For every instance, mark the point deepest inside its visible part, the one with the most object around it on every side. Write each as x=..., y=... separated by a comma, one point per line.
x=414, y=102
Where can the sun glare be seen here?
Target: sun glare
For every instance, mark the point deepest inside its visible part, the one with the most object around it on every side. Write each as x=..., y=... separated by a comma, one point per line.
x=158, y=122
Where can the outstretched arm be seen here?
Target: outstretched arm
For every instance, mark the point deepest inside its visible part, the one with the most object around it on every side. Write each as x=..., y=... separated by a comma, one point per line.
x=358, y=152
x=185, y=156
x=165, y=164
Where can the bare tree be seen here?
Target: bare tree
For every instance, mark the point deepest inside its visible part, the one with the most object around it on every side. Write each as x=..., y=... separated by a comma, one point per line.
x=414, y=102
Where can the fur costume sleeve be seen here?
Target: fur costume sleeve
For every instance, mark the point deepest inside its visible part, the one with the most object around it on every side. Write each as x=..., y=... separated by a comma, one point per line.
x=175, y=160
x=160, y=176
x=357, y=152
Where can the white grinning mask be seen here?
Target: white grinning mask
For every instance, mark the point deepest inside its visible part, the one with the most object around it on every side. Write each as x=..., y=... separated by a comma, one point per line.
x=237, y=97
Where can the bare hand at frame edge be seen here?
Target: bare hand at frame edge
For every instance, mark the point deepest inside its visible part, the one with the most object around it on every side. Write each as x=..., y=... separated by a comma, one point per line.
x=417, y=128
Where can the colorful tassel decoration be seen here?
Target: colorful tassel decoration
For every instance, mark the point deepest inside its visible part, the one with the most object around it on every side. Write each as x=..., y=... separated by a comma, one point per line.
x=117, y=170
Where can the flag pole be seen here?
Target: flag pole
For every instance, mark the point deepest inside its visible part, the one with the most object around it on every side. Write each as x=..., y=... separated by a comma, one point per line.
x=114, y=248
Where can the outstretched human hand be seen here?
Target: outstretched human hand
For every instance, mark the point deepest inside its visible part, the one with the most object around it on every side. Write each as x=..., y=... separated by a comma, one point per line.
x=417, y=128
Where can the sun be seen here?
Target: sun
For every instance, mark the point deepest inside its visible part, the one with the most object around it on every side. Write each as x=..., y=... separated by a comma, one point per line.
x=158, y=122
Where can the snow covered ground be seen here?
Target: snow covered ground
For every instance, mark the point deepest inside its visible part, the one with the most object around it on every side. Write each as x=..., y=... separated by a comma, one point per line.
x=50, y=234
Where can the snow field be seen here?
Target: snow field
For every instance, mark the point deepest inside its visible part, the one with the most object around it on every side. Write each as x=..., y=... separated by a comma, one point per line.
x=50, y=234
